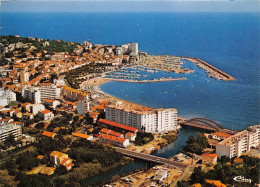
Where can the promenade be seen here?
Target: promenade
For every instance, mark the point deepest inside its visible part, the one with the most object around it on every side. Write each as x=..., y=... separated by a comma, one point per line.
x=147, y=81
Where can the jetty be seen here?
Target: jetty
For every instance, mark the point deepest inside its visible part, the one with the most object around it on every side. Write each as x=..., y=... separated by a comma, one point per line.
x=147, y=81
x=212, y=71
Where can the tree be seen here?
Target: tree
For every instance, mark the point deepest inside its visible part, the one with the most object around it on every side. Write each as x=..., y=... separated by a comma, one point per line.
x=61, y=170
x=197, y=176
x=27, y=160
x=10, y=141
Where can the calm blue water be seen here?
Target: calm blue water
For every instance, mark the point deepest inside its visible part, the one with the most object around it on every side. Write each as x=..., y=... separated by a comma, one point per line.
x=229, y=41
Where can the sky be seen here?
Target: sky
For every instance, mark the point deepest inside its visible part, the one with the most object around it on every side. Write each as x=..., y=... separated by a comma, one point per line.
x=130, y=6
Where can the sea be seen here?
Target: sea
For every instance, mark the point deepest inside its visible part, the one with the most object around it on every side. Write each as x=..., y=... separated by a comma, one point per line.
x=228, y=41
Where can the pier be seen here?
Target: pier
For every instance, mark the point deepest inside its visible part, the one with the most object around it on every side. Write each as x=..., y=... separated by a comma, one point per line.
x=147, y=81
x=213, y=71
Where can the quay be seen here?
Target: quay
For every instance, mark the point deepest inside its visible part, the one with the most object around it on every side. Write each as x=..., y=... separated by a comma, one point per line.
x=213, y=71
x=205, y=124
x=147, y=81
x=152, y=158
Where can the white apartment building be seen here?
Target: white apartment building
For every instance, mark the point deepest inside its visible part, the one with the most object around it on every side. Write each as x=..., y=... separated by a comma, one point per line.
x=239, y=143
x=33, y=94
x=143, y=118
x=6, y=130
x=6, y=96
x=83, y=107
x=50, y=92
x=38, y=94
x=133, y=48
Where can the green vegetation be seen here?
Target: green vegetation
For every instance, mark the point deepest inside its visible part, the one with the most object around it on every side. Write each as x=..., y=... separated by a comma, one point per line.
x=27, y=160
x=90, y=158
x=225, y=171
x=76, y=76
x=49, y=45
x=10, y=141
x=143, y=138
x=170, y=137
x=46, y=145
x=196, y=145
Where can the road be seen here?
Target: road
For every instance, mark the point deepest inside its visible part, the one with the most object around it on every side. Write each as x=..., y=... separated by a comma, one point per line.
x=152, y=158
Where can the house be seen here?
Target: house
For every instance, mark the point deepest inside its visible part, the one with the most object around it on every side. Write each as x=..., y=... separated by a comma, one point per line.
x=110, y=132
x=48, y=134
x=45, y=114
x=51, y=103
x=219, y=135
x=113, y=140
x=209, y=159
x=84, y=136
x=160, y=175
x=59, y=158
x=131, y=136
x=35, y=108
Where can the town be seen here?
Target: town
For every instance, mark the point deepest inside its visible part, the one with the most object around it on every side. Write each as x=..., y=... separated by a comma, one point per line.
x=57, y=125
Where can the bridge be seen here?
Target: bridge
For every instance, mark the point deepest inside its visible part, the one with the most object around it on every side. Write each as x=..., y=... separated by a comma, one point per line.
x=206, y=124
x=152, y=158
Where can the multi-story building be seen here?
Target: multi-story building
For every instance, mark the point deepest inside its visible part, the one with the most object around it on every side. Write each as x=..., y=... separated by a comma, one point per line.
x=133, y=48
x=83, y=107
x=24, y=77
x=49, y=91
x=143, y=118
x=239, y=143
x=32, y=94
x=74, y=94
x=38, y=94
x=6, y=96
x=6, y=130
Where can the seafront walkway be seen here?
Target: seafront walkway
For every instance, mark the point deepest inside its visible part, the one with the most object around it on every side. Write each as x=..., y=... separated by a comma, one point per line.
x=152, y=158
x=147, y=81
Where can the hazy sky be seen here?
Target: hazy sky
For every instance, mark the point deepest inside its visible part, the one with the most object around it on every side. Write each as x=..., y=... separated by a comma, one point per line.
x=131, y=6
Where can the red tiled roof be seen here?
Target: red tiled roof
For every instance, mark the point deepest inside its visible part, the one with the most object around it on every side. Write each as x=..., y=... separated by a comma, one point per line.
x=221, y=134
x=64, y=160
x=45, y=111
x=81, y=135
x=210, y=155
x=69, y=164
x=113, y=138
x=106, y=131
x=129, y=134
x=119, y=125
x=47, y=133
